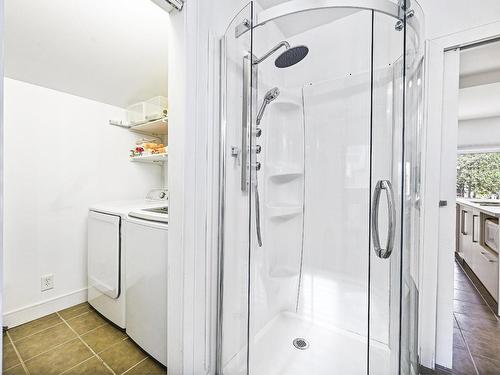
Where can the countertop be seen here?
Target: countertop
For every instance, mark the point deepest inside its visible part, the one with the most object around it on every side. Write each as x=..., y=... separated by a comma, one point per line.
x=476, y=203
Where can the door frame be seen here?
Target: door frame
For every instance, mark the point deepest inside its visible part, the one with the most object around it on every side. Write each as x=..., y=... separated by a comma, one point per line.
x=2, y=158
x=436, y=275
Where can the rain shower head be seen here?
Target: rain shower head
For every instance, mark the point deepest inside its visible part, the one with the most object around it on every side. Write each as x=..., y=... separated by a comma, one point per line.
x=268, y=98
x=291, y=55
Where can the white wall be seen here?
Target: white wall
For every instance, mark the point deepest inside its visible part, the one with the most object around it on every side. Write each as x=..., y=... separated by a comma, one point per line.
x=61, y=155
x=445, y=17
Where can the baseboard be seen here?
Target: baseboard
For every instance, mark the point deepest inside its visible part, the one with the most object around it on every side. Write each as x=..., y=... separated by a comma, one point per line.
x=37, y=310
x=440, y=370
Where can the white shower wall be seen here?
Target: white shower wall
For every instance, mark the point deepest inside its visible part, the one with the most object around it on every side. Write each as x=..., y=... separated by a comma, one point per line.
x=325, y=106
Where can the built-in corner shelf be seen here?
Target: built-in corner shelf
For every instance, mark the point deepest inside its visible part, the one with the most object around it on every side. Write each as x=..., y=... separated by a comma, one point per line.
x=158, y=127
x=287, y=105
x=283, y=211
x=154, y=158
x=282, y=174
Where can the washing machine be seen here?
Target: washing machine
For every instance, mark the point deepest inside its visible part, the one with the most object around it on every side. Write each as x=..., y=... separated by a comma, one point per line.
x=146, y=241
x=106, y=253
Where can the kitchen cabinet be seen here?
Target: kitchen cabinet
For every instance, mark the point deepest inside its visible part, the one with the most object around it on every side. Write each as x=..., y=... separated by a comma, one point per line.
x=476, y=219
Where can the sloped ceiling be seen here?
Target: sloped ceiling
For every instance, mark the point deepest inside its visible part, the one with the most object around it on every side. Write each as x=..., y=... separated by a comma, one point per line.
x=112, y=51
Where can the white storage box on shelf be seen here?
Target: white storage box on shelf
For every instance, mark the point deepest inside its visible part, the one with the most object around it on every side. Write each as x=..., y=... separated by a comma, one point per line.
x=155, y=107
x=152, y=109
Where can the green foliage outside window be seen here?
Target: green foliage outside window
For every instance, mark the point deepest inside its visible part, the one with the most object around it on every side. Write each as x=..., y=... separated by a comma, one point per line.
x=478, y=175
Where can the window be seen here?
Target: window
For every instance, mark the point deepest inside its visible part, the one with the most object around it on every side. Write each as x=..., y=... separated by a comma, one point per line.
x=478, y=175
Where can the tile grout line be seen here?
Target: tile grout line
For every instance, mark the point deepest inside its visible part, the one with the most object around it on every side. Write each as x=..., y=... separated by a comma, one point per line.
x=37, y=332
x=62, y=343
x=25, y=368
x=78, y=364
x=84, y=343
x=47, y=328
x=79, y=337
x=468, y=349
x=137, y=364
x=460, y=326
x=48, y=350
x=116, y=343
x=74, y=317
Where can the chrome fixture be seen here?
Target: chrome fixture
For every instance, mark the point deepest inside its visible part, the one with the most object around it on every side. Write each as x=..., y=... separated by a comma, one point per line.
x=257, y=215
x=391, y=227
x=291, y=55
x=268, y=98
x=169, y=5
x=300, y=343
x=242, y=28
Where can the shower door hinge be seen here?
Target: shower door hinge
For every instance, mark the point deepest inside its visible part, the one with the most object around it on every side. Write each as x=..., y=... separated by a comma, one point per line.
x=400, y=24
x=242, y=28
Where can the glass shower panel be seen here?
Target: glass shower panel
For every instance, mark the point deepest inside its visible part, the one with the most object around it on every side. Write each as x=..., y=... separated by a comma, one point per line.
x=234, y=236
x=309, y=279
x=413, y=114
x=386, y=187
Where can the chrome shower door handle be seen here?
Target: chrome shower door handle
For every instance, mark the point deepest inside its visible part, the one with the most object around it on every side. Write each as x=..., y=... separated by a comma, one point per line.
x=386, y=186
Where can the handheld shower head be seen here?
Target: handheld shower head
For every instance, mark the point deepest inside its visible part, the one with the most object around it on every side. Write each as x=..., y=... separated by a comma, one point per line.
x=272, y=94
x=268, y=98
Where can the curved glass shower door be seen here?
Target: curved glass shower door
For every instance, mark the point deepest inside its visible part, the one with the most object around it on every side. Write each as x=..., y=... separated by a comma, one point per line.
x=319, y=183
x=235, y=199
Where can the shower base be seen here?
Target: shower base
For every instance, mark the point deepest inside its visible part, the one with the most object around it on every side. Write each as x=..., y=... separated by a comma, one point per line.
x=330, y=351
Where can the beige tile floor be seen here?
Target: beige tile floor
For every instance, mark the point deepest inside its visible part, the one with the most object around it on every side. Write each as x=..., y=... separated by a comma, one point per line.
x=74, y=341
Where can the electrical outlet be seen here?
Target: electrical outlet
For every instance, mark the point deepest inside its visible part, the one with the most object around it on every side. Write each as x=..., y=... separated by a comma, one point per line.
x=47, y=282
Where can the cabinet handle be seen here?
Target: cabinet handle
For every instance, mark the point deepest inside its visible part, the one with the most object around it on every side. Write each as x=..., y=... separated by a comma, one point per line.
x=485, y=256
x=464, y=223
x=474, y=232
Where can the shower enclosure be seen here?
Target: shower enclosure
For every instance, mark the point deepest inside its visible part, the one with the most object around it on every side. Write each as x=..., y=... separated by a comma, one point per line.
x=321, y=122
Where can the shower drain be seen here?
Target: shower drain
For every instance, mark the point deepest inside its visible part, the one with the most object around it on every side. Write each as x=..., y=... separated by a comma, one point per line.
x=300, y=343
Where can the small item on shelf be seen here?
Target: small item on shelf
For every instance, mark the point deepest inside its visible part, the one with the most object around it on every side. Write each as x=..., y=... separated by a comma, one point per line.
x=154, y=148
x=160, y=150
x=138, y=151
